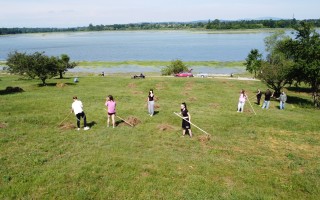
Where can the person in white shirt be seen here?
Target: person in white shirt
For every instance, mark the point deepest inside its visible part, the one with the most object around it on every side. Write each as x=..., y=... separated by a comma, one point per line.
x=77, y=109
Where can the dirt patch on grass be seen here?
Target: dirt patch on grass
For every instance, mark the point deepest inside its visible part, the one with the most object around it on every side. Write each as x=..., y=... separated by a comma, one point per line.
x=165, y=127
x=247, y=110
x=2, y=125
x=61, y=85
x=160, y=86
x=129, y=121
x=137, y=92
x=214, y=105
x=192, y=99
x=132, y=85
x=67, y=126
x=188, y=86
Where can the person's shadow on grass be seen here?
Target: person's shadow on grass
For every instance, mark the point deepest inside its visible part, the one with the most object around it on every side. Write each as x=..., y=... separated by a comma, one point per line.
x=91, y=124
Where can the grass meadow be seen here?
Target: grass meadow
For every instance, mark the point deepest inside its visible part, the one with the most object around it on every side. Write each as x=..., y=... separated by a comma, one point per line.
x=271, y=155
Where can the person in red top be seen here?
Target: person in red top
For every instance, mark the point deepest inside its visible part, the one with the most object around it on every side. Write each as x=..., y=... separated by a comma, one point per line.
x=111, y=104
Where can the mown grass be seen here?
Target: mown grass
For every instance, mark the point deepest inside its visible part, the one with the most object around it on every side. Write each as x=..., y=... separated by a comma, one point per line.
x=273, y=155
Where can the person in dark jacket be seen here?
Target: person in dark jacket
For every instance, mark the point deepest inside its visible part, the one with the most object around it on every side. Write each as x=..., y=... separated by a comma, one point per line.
x=267, y=97
x=258, y=95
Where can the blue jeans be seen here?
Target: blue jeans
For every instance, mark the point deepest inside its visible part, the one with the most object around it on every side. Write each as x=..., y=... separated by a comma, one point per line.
x=266, y=104
x=151, y=107
x=282, y=105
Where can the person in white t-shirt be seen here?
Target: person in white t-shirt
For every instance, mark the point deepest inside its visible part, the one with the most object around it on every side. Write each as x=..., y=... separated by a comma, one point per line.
x=77, y=109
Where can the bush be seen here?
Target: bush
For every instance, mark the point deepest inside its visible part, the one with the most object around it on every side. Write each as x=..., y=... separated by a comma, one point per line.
x=175, y=67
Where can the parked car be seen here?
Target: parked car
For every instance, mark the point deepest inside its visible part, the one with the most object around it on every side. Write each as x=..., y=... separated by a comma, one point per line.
x=138, y=76
x=184, y=74
x=202, y=75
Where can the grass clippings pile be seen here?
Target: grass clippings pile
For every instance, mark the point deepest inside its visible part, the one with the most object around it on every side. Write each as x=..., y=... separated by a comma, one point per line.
x=67, y=126
x=165, y=127
x=2, y=125
x=137, y=92
x=188, y=86
x=132, y=85
x=192, y=99
x=130, y=120
x=61, y=85
x=204, y=138
x=160, y=86
x=214, y=105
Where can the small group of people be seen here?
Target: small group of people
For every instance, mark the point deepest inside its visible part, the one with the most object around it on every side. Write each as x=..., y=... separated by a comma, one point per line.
x=77, y=109
x=268, y=95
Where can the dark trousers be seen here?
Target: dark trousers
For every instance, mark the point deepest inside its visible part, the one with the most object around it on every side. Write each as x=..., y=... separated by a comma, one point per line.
x=258, y=100
x=79, y=115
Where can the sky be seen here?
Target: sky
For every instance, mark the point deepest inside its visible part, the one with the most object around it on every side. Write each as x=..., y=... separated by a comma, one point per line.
x=74, y=13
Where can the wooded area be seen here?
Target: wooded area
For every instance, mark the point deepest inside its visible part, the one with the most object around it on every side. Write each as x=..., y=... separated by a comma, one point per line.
x=208, y=25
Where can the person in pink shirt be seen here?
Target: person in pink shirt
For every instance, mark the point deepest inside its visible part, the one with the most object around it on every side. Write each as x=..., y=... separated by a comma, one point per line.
x=111, y=104
x=242, y=100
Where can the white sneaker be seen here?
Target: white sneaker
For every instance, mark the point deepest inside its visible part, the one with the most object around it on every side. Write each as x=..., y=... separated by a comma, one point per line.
x=78, y=129
x=86, y=128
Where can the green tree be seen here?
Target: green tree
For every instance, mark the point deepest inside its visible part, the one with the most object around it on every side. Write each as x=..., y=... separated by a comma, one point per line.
x=274, y=72
x=305, y=51
x=253, y=61
x=175, y=67
x=64, y=64
x=33, y=65
x=276, y=68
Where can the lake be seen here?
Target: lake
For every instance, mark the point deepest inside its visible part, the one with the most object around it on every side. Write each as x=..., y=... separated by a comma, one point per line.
x=137, y=45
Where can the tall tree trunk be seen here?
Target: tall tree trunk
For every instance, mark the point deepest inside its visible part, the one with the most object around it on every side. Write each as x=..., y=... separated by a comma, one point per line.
x=61, y=74
x=43, y=81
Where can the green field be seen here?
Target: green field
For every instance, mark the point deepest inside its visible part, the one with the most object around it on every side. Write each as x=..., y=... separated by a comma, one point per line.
x=271, y=155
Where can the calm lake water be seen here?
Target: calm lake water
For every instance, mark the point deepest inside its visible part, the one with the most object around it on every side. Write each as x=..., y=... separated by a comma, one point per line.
x=138, y=45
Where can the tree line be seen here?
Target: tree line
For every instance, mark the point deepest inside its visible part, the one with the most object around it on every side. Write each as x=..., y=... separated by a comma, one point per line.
x=290, y=60
x=208, y=25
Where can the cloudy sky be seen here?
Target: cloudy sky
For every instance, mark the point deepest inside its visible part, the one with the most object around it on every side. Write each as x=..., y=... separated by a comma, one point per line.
x=72, y=13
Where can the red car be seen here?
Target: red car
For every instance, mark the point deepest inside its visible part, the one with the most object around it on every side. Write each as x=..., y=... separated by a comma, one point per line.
x=184, y=74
